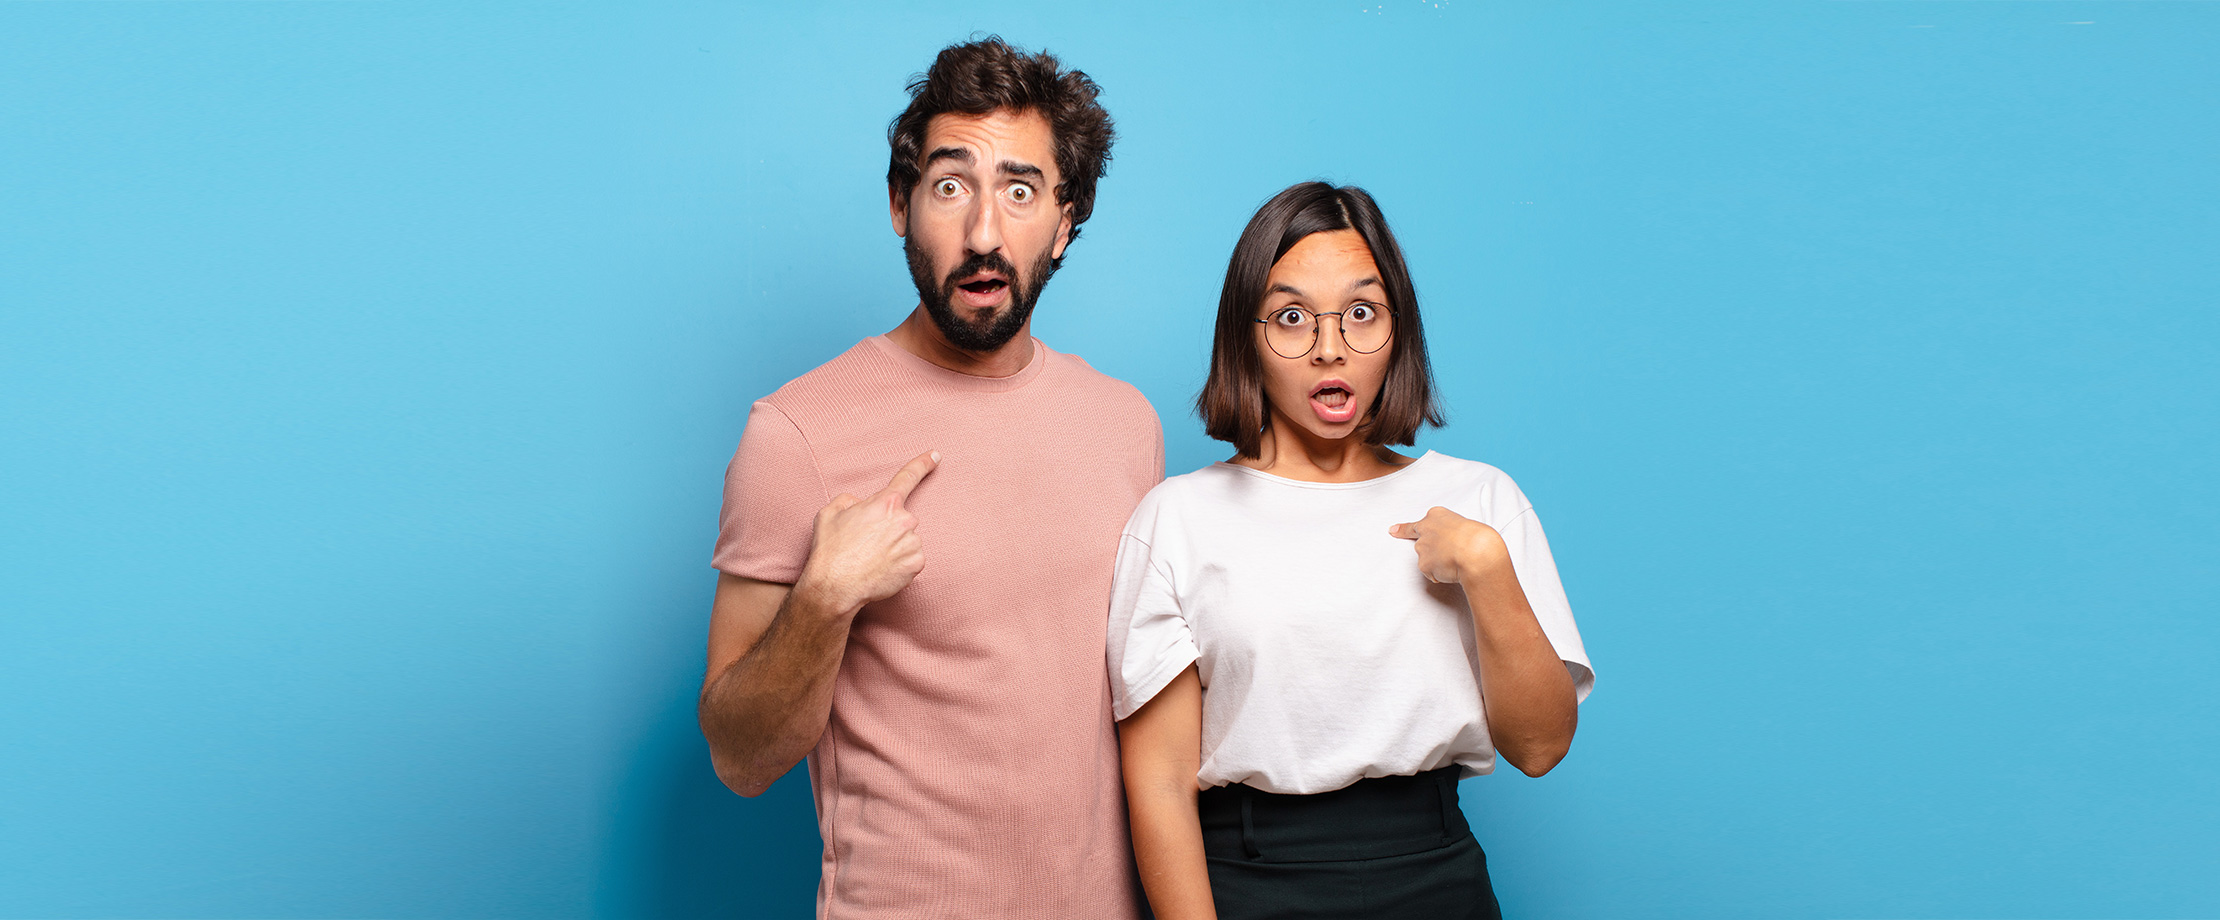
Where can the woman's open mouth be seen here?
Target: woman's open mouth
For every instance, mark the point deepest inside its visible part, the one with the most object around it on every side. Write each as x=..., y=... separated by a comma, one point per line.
x=1333, y=402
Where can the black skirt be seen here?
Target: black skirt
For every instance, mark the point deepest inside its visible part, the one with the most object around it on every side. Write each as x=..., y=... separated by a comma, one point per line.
x=1389, y=847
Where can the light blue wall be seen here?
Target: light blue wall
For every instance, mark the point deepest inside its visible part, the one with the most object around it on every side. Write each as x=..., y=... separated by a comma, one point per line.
x=368, y=370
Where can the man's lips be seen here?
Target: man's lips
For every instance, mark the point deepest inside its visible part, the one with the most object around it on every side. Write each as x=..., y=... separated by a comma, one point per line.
x=984, y=282
x=985, y=289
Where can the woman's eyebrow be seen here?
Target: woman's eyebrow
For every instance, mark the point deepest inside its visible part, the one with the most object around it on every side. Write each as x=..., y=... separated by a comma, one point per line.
x=1375, y=282
x=1284, y=289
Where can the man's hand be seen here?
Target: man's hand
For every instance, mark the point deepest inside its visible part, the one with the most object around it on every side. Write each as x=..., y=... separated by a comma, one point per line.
x=866, y=550
x=1453, y=548
x=774, y=651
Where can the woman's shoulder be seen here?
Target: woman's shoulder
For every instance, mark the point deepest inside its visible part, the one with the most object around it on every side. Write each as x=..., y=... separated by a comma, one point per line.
x=1176, y=496
x=1496, y=488
x=1186, y=488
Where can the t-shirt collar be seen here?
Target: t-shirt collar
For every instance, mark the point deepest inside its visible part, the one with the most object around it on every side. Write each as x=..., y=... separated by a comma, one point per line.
x=957, y=379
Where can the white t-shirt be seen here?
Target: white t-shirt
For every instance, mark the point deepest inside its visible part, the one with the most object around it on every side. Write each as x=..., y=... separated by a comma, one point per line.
x=1325, y=656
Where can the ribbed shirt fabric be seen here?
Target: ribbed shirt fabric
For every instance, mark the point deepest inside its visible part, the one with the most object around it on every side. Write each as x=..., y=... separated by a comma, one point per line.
x=969, y=768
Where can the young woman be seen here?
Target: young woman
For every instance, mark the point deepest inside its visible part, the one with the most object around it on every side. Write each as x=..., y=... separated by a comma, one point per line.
x=1323, y=635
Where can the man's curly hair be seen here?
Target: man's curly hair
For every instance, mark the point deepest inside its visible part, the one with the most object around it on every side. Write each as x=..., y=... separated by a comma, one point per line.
x=987, y=75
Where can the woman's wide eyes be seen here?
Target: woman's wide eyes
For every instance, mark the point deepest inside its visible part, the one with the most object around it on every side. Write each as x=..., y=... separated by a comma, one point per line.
x=947, y=188
x=1290, y=317
x=1361, y=313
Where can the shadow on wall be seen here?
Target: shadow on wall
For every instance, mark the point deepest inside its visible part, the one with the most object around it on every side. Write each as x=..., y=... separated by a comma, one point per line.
x=687, y=847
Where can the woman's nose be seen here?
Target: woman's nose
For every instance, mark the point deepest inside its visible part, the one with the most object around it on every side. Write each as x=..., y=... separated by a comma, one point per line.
x=1330, y=346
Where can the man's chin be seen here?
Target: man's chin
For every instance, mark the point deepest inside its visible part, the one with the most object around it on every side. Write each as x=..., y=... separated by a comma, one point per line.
x=983, y=337
x=981, y=319
x=986, y=333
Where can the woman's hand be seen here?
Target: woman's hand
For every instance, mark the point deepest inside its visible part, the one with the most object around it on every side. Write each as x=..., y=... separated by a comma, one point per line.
x=1453, y=548
x=1525, y=692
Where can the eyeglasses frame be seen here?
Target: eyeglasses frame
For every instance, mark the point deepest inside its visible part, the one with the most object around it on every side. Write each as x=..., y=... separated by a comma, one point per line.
x=1317, y=328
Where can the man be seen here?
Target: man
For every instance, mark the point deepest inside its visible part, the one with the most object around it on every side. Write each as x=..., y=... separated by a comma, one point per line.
x=918, y=538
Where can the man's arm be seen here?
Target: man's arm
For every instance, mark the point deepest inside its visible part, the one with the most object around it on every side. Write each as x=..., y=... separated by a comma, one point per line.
x=774, y=649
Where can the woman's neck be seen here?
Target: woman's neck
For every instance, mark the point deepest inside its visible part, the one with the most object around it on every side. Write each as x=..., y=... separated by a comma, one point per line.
x=1290, y=451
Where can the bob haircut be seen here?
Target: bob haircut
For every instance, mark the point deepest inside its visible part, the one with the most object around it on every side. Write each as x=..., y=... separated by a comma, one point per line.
x=1232, y=401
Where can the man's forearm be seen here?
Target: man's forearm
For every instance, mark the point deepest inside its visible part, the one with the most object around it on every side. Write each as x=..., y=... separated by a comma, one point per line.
x=766, y=711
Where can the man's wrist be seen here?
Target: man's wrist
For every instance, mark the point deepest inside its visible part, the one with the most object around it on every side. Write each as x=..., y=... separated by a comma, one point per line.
x=819, y=598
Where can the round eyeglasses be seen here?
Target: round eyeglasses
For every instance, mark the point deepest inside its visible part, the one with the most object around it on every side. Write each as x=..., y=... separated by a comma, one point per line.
x=1293, y=331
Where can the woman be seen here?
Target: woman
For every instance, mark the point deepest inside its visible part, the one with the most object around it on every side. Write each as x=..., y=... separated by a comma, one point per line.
x=1321, y=634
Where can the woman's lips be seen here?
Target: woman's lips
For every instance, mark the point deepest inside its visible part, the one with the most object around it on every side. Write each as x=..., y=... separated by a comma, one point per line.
x=1333, y=404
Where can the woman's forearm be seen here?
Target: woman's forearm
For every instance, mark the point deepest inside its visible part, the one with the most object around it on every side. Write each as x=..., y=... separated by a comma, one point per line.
x=1160, y=747
x=1525, y=689
x=1168, y=851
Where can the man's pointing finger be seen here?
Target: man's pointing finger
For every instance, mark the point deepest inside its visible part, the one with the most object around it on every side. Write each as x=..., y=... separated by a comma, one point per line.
x=1404, y=531
x=911, y=473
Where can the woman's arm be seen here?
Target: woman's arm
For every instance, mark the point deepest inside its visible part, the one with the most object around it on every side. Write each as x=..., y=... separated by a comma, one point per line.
x=1525, y=690
x=1161, y=748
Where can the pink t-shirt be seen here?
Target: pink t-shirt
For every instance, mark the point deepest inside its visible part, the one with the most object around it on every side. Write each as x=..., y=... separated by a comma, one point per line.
x=970, y=767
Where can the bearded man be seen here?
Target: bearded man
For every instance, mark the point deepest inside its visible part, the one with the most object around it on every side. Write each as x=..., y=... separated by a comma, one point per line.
x=918, y=536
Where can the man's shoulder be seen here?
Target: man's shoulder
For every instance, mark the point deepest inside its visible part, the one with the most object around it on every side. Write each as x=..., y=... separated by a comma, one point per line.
x=828, y=386
x=1083, y=381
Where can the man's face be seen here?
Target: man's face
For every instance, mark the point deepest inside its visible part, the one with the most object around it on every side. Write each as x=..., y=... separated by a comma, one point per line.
x=982, y=226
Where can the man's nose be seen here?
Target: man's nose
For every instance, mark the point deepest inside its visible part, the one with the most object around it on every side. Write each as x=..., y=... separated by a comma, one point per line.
x=983, y=230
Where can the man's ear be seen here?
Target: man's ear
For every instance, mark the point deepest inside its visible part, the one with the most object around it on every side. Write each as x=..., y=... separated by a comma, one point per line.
x=898, y=210
x=1063, y=233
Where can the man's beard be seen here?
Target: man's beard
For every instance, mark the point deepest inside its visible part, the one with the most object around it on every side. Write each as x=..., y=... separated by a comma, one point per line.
x=938, y=296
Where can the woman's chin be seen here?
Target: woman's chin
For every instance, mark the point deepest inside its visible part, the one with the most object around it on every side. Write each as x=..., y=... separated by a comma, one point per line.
x=1330, y=431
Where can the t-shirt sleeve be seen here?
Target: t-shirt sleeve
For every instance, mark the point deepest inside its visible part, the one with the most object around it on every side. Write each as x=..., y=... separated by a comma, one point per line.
x=1150, y=642
x=1537, y=573
x=772, y=496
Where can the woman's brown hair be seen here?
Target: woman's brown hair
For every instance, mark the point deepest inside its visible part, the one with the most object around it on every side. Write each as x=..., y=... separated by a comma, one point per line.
x=1232, y=399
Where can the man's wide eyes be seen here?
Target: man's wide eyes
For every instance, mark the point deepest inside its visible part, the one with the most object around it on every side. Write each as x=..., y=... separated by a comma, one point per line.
x=1021, y=193
x=947, y=188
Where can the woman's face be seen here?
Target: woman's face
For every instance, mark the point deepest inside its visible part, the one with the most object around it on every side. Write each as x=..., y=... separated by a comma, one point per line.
x=1328, y=391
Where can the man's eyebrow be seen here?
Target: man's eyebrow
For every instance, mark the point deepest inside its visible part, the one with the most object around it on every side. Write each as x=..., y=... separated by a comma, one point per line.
x=1015, y=168
x=959, y=154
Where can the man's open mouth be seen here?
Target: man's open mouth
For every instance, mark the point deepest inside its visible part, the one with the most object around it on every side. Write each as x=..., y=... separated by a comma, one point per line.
x=984, y=285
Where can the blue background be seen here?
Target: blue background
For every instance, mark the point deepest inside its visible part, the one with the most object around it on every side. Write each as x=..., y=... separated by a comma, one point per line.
x=368, y=372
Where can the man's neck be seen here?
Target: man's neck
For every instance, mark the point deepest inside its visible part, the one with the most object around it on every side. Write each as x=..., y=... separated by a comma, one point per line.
x=918, y=336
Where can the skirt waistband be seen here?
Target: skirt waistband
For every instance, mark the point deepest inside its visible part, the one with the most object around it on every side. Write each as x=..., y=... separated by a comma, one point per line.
x=1368, y=819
